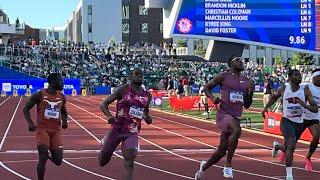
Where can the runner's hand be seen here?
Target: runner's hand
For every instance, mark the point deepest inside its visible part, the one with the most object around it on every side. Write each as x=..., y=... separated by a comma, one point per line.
x=32, y=127
x=148, y=119
x=216, y=101
x=111, y=120
x=298, y=100
x=64, y=124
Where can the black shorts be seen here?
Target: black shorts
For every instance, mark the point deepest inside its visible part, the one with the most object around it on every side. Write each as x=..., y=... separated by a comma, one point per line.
x=309, y=123
x=291, y=129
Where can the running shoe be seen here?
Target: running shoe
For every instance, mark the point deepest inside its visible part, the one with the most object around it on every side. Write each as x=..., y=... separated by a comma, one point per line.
x=274, y=151
x=200, y=173
x=308, y=165
x=227, y=172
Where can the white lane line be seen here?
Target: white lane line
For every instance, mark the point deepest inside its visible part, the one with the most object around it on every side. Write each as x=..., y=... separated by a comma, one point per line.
x=36, y=160
x=194, y=160
x=243, y=156
x=70, y=151
x=141, y=164
x=69, y=135
x=5, y=100
x=153, y=126
x=2, y=142
x=85, y=170
x=10, y=123
x=215, y=133
x=181, y=150
x=13, y=172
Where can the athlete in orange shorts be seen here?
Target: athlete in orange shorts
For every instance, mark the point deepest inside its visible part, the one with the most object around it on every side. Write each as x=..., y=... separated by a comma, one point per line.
x=51, y=109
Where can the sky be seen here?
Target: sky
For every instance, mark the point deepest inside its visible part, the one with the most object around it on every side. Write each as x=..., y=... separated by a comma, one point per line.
x=39, y=13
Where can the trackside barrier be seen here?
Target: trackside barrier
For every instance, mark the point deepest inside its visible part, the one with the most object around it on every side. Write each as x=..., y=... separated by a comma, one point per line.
x=74, y=93
x=34, y=85
x=272, y=125
x=186, y=103
x=15, y=93
x=84, y=92
x=3, y=94
x=28, y=93
x=158, y=93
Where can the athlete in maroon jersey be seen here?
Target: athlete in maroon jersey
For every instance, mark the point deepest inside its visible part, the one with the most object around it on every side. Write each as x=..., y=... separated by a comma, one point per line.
x=132, y=107
x=236, y=92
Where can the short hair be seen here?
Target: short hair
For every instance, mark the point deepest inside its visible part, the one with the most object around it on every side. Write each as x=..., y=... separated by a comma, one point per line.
x=136, y=69
x=231, y=58
x=53, y=77
x=292, y=71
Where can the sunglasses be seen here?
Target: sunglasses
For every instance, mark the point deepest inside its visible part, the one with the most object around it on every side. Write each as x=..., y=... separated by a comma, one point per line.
x=239, y=59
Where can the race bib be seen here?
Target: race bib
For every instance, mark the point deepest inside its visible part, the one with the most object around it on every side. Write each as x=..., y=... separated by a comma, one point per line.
x=236, y=96
x=294, y=111
x=136, y=112
x=51, y=114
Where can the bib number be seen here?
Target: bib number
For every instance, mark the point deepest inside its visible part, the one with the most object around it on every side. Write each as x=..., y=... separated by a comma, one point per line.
x=295, y=111
x=136, y=112
x=51, y=114
x=236, y=97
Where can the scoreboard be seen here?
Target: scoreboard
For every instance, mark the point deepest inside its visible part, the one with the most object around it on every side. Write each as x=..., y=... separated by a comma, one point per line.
x=287, y=23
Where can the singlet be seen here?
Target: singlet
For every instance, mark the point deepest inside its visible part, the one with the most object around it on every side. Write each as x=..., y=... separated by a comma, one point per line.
x=233, y=89
x=130, y=110
x=291, y=111
x=49, y=110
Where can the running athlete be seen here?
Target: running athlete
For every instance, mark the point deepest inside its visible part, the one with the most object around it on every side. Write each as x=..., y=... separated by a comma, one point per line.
x=294, y=98
x=236, y=92
x=132, y=107
x=311, y=121
x=51, y=109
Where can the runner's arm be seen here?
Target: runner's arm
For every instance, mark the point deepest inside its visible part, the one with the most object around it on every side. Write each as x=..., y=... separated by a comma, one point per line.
x=64, y=114
x=313, y=107
x=110, y=99
x=34, y=99
x=147, y=116
x=218, y=79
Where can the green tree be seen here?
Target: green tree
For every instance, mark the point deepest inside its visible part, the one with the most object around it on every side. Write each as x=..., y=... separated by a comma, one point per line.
x=302, y=59
x=112, y=41
x=278, y=60
x=200, y=51
x=182, y=43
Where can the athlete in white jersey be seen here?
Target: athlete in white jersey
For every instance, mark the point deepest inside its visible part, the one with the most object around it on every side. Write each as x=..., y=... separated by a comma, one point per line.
x=311, y=120
x=294, y=98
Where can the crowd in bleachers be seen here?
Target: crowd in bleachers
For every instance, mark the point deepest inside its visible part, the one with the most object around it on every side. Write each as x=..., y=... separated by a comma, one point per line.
x=102, y=64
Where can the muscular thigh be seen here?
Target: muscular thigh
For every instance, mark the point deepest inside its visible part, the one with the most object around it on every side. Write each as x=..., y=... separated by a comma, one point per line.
x=111, y=141
x=42, y=137
x=130, y=141
x=55, y=140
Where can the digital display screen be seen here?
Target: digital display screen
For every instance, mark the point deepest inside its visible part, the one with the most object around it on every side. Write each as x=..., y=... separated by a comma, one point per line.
x=288, y=23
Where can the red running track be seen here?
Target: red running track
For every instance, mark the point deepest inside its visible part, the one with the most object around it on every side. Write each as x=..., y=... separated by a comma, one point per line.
x=170, y=148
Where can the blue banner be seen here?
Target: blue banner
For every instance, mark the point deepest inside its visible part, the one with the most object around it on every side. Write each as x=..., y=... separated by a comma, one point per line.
x=103, y=90
x=9, y=85
x=289, y=23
